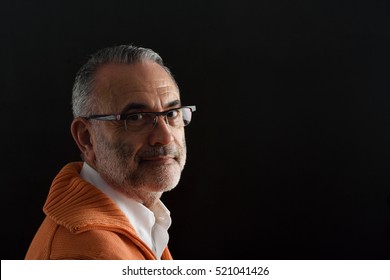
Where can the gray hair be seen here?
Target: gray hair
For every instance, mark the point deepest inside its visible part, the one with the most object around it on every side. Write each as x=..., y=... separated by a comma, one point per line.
x=82, y=103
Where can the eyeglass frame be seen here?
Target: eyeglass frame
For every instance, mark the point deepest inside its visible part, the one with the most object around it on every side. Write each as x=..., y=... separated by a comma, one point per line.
x=123, y=117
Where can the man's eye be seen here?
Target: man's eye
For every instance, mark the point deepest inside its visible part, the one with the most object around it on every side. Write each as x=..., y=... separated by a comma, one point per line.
x=173, y=114
x=134, y=117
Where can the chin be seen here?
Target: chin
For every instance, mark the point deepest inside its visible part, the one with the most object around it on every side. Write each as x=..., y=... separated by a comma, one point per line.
x=163, y=178
x=163, y=186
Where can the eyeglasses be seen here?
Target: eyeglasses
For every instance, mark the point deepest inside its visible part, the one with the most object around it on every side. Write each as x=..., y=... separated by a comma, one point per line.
x=177, y=117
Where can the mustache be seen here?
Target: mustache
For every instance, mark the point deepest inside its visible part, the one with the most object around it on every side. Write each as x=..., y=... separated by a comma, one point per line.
x=159, y=151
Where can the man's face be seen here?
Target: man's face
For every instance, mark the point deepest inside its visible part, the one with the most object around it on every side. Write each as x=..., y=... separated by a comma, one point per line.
x=145, y=162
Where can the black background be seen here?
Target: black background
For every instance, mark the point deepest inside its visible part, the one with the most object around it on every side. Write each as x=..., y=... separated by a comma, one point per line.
x=288, y=151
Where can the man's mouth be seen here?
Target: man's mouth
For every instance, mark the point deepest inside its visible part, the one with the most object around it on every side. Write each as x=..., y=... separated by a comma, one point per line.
x=164, y=159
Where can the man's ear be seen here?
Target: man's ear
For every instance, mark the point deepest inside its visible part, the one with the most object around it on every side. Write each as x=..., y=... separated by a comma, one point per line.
x=81, y=132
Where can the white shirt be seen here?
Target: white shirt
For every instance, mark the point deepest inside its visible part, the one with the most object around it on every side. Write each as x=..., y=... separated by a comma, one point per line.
x=151, y=224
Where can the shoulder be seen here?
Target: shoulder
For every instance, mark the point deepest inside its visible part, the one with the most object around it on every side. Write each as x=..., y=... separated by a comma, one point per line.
x=97, y=244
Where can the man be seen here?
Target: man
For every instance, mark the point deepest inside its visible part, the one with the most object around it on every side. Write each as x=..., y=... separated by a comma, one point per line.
x=129, y=126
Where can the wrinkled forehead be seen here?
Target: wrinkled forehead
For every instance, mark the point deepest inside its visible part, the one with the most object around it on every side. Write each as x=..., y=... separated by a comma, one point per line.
x=117, y=85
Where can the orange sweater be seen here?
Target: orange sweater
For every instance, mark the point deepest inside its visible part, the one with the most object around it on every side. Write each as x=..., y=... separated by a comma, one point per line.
x=83, y=223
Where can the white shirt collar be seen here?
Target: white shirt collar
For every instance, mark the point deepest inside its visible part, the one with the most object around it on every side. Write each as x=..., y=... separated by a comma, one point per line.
x=151, y=224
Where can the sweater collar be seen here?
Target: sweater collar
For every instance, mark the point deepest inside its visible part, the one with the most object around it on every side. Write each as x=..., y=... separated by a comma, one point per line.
x=77, y=205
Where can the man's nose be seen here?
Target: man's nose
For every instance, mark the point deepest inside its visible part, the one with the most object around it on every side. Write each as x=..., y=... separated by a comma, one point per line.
x=161, y=134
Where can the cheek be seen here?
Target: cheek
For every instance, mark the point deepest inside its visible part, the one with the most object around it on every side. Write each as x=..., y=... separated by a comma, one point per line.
x=180, y=138
x=129, y=147
x=182, y=148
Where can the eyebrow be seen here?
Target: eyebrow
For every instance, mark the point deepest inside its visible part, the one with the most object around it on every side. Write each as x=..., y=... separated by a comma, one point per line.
x=141, y=106
x=133, y=106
